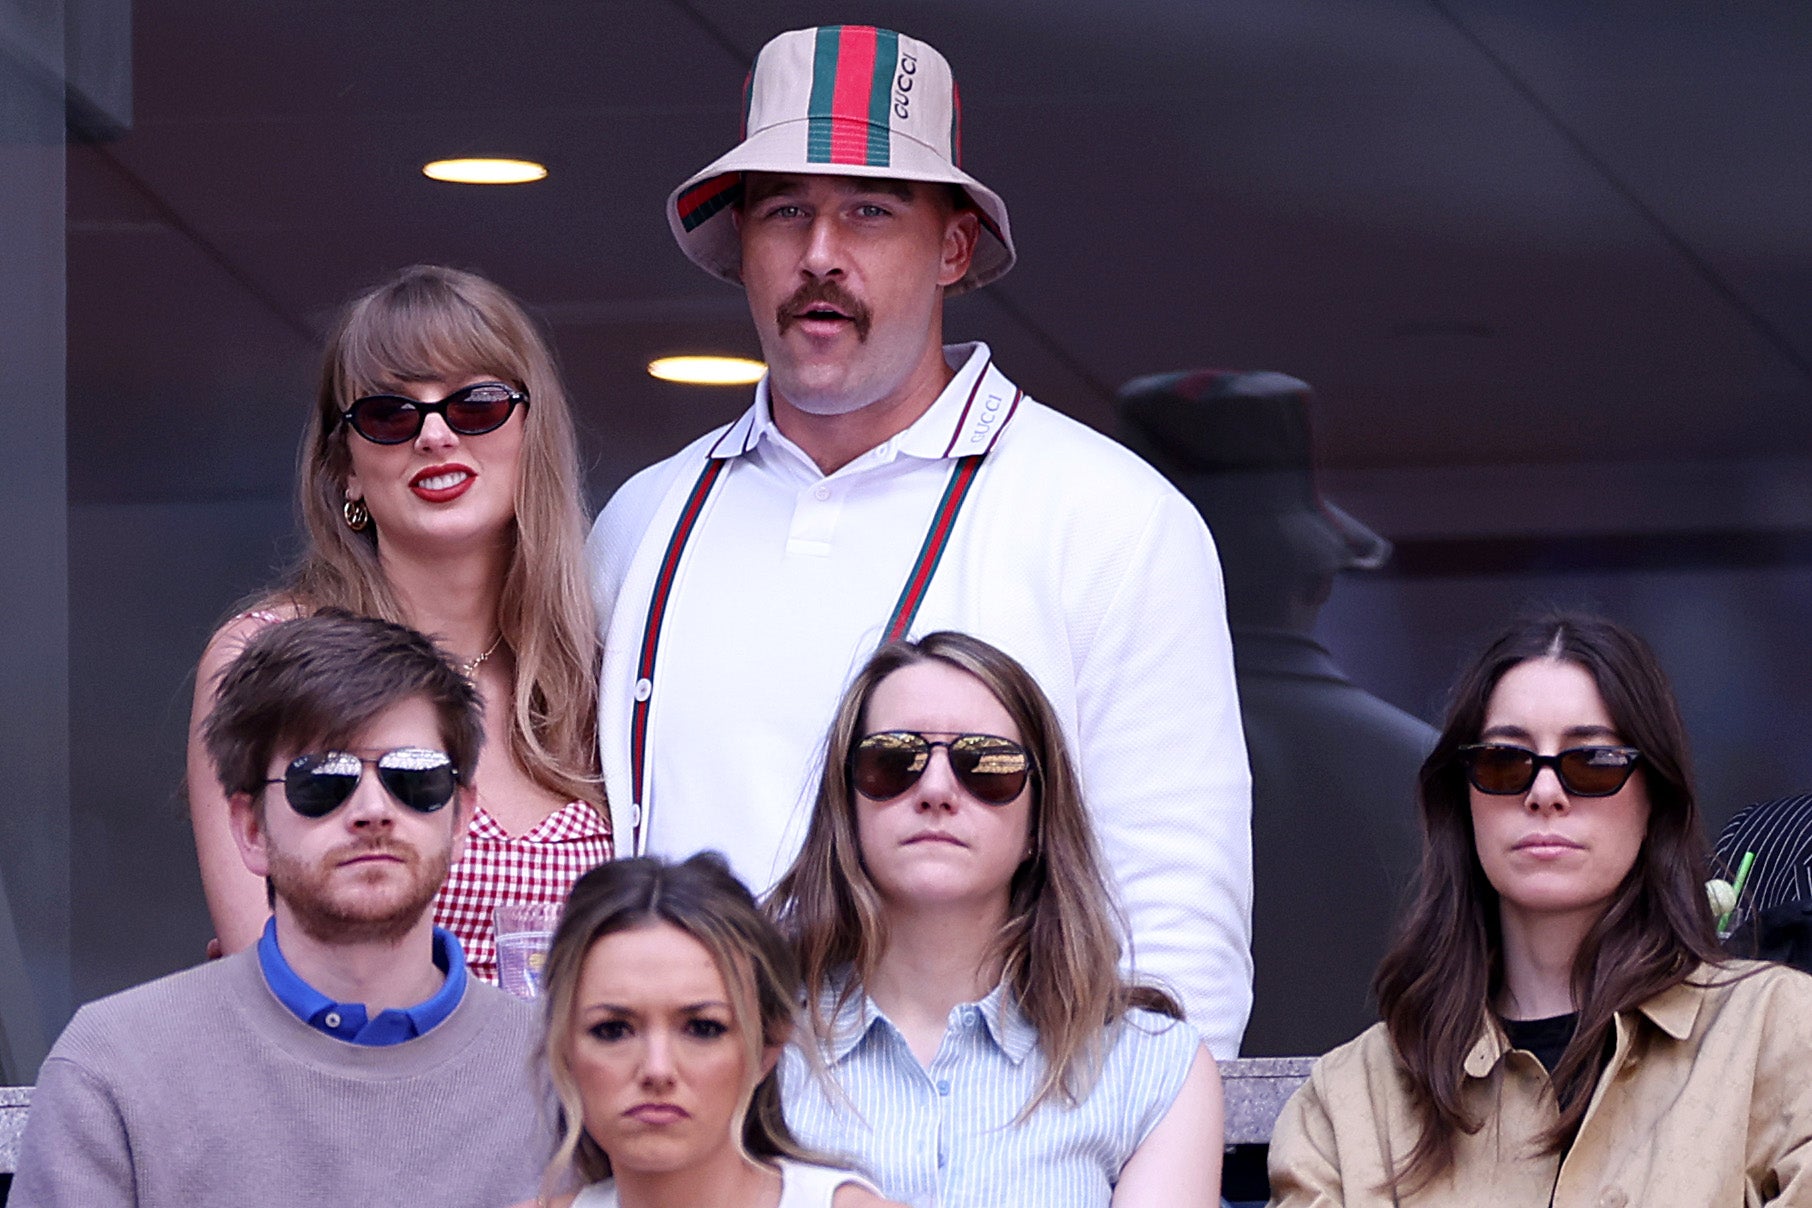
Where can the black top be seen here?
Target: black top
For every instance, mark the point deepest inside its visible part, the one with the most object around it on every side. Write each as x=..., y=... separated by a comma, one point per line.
x=1546, y=1038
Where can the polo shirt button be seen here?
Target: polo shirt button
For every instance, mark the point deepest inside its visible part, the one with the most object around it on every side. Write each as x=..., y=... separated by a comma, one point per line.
x=820, y=492
x=332, y=1019
x=643, y=689
x=1614, y=1198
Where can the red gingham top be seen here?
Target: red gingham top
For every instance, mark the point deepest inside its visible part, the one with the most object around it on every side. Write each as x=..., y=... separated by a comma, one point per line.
x=539, y=865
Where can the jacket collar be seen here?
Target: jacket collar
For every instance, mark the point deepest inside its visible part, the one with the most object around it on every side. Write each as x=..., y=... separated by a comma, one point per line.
x=1674, y=1011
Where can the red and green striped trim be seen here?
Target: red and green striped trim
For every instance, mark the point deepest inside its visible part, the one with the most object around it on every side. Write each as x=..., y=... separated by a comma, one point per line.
x=748, y=95
x=852, y=80
x=704, y=200
x=905, y=611
x=937, y=539
x=657, y=616
x=956, y=125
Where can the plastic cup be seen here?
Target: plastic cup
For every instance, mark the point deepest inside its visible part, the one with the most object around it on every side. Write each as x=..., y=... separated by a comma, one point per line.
x=524, y=931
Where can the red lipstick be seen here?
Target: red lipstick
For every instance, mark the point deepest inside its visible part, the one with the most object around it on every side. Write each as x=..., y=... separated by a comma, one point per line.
x=443, y=483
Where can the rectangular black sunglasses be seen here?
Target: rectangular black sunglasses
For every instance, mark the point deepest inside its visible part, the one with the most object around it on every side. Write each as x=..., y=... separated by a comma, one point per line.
x=1502, y=769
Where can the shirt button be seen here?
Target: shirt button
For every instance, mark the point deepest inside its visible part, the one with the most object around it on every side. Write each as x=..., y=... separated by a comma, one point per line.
x=970, y=1015
x=1614, y=1198
x=820, y=492
x=643, y=689
x=943, y=1086
x=332, y=1019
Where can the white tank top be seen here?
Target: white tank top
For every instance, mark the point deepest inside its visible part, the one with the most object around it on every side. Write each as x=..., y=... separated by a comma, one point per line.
x=801, y=1186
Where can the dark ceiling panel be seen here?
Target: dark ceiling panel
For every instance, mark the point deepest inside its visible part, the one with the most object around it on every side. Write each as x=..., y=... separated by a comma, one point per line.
x=1484, y=232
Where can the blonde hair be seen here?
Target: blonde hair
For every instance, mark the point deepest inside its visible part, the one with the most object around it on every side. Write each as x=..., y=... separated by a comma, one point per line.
x=702, y=898
x=433, y=322
x=1060, y=947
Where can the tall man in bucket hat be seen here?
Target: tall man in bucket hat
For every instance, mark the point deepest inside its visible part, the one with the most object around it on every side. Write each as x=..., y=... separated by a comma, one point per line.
x=883, y=484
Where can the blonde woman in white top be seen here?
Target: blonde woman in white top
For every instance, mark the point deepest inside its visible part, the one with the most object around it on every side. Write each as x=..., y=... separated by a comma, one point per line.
x=669, y=997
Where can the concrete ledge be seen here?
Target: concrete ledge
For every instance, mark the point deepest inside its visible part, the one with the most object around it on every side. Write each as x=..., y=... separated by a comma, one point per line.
x=1256, y=1089
x=13, y=1102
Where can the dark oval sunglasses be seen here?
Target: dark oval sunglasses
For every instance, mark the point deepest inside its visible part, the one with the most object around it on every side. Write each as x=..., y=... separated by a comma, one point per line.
x=317, y=784
x=391, y=419
x=1502, y=769
x=991, y=769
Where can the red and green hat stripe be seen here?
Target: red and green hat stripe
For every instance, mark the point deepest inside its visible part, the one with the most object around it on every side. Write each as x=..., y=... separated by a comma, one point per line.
x=704, y=200
x=852, y=90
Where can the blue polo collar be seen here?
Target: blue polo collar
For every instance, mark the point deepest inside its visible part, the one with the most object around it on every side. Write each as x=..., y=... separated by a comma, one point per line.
x=348, y=1021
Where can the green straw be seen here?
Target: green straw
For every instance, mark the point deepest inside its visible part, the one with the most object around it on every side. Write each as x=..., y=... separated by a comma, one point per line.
x=1737, y=888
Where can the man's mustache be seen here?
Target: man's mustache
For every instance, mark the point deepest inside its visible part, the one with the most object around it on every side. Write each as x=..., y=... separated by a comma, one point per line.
x=824, y=293
x=373, y=847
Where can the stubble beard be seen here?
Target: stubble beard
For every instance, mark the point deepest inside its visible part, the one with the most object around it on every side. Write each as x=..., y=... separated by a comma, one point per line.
x=340, y=913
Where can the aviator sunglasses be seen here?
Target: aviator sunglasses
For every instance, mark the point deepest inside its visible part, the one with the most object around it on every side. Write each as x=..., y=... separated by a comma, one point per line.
x=1501, y=769
x=318, y=784
x=391, y=419
x=991, y=769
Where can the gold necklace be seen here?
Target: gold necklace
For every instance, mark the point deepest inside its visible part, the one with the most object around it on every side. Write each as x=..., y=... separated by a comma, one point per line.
x=469, y=668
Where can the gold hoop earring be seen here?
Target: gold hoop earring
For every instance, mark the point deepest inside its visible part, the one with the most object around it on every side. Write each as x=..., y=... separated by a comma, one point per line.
x=358, y=516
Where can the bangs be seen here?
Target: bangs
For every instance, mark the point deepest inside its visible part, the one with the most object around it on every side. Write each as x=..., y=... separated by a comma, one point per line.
x=421, y=330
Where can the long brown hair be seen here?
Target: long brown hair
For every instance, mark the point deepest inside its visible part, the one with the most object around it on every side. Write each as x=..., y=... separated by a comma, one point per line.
x=1060, y=947
x=427, y=322
x=1436, y=985
x=702, y=898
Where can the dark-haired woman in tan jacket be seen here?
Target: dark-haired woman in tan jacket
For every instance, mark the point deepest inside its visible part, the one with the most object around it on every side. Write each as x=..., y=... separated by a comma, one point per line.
x=1559, y=1025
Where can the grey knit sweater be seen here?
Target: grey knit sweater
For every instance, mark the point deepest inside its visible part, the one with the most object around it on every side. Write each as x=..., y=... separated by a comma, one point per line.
x=201, y=1090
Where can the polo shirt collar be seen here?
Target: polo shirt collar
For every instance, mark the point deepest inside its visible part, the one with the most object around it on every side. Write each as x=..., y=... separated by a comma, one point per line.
x=1007, y=1024
x=850, y=1023
x=349, y=1021
x=967, y=417
x=1012, y=1033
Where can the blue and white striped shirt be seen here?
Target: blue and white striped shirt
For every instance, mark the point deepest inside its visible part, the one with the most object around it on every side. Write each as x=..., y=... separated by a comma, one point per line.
x=945, y=1137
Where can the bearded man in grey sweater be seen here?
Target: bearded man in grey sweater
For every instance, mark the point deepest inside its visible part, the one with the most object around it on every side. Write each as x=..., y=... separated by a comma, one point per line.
x=346, y=1059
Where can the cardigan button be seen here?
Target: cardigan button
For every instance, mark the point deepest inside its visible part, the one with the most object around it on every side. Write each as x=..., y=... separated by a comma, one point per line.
x=643, y=689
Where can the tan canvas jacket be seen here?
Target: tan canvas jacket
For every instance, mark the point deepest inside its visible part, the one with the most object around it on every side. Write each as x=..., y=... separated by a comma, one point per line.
x=1706, y=1103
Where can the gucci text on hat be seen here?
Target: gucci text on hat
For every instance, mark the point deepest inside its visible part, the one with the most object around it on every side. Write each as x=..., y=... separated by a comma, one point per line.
x=840, y=100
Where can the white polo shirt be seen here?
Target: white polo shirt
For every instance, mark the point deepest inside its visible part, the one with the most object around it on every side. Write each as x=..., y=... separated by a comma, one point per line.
x=1070, y=554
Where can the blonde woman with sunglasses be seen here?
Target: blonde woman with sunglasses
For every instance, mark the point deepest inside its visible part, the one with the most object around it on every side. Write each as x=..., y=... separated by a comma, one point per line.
x=438, y=487
x=972, y=1039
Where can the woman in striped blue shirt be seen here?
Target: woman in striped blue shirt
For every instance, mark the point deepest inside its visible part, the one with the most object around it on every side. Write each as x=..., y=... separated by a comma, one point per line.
x=972, y=1040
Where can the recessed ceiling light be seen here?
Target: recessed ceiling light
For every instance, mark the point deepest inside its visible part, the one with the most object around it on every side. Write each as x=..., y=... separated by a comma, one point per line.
x=707, y=371
x=485, y=171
